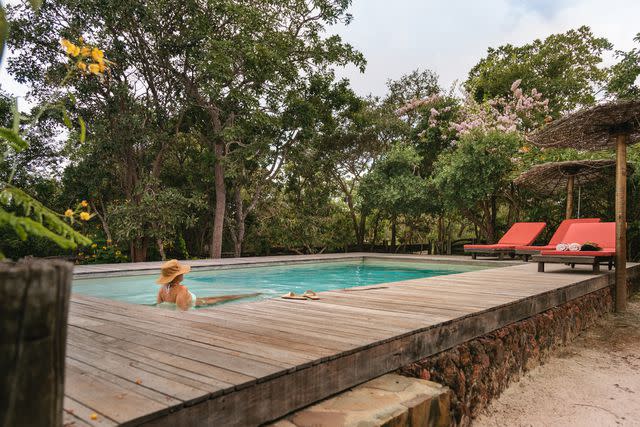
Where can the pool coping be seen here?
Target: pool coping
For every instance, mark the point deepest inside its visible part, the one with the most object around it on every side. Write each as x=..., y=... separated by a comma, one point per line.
x=147, y=268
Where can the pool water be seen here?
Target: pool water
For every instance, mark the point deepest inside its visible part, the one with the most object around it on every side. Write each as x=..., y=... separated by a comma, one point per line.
x=270, y=281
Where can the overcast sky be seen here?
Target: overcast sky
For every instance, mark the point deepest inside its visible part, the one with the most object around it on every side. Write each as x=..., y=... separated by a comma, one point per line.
x=450, y=36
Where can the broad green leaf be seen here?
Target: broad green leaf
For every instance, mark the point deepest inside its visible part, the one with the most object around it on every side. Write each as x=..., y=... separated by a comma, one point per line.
x=15, y=140
x=66, y=119
x=16, y=115
x=83, y=129
x=4, y=30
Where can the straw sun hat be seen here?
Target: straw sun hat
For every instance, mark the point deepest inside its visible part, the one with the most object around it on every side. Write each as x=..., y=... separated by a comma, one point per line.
x=170, y=270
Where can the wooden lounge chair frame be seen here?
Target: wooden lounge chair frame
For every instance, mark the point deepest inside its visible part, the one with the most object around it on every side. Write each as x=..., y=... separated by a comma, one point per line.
x=572, y=260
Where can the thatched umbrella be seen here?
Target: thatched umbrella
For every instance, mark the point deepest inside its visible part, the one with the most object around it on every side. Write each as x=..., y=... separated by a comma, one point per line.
x=615, y=124
x=556, y=177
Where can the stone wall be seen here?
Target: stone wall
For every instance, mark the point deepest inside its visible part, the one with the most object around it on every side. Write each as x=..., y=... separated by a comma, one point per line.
x=479, y=370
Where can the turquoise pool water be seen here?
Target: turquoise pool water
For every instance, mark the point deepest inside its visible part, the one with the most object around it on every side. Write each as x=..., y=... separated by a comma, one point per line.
x=270, y=282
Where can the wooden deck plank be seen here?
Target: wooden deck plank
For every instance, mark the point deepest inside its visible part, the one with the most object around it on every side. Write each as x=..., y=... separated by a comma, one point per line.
x=76, y=414
x=141, y=374
x=181, y=347
x=109, y=399
x=270, y=354
x=216, y=376
x=248, y=363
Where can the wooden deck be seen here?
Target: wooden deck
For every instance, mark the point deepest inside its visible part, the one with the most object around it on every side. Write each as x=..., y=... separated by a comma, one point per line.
x=245, y=364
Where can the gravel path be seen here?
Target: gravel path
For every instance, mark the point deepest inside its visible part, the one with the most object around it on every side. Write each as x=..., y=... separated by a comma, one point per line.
x=594, y=381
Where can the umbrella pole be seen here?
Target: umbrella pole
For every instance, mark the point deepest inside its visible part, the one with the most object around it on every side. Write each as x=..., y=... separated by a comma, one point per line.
x=570, y=182
x=621, y=222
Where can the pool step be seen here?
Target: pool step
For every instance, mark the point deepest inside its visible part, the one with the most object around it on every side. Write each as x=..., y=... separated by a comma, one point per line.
x=390, y=400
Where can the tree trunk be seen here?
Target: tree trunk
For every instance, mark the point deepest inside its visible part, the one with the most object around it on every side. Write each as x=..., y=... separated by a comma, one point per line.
x=393, y=234
x=240, y=227
x=160, y=245
x=33, y=333
x=376, y=222
x=139, y=248
x=362, y=227
x=103, y=221
x=221, y=204
x=491, y=235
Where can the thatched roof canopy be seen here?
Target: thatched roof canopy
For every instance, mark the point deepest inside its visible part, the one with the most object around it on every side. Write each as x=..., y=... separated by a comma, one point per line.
x=593, y=128
x=552, y=177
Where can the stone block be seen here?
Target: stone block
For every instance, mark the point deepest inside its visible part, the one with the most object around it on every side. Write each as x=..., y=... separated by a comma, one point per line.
x=388, y=401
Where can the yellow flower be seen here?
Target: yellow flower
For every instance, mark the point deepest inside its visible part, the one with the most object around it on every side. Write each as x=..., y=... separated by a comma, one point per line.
x=525, y=149
x=75, y=51
x=85, y=216
x=68, y=46
x=68, y=213
x=82, y=66
x=84, y=204
x=94, y=68
x=104, y=247
x=94, y=246
x=102, y=67
x=118, y=253
x=97, y=54
x=85, y=51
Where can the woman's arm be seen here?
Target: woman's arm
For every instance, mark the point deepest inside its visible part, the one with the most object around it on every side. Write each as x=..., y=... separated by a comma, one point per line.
x=159, y=297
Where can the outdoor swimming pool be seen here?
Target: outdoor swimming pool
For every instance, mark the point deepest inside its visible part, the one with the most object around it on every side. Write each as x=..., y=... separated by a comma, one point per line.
x=270, y=282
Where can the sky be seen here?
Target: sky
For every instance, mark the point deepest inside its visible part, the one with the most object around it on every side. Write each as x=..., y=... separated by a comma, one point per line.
x=450, y=36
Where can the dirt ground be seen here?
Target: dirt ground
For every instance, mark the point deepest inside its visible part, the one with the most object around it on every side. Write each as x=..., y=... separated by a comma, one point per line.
x=594, y=381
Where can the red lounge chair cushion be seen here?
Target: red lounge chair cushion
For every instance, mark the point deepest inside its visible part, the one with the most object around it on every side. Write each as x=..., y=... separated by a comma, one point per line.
x=522, y=233
x=558, y=236
x=495, y=246
x=607, y=252
x=603, y=233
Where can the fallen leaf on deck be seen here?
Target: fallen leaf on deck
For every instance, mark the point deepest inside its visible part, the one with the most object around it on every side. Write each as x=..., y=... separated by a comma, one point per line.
x=93, y=416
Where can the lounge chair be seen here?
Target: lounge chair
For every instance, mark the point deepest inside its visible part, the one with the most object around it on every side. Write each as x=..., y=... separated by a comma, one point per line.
x=520, y=233
x=603, y=233
x=527, y=250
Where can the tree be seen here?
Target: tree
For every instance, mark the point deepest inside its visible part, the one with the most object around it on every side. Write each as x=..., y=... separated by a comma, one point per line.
x=473, y=177
x=157, y=215
x=565, y=67
x=394, y=186
x=624, y=83
x=255, y=54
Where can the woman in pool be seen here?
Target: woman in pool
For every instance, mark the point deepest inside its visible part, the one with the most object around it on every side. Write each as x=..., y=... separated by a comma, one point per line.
x=174, y=292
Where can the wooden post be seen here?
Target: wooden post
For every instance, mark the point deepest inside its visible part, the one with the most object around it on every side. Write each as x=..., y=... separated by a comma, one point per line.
x=34, y=295
x=621, y=222
x=570, y=183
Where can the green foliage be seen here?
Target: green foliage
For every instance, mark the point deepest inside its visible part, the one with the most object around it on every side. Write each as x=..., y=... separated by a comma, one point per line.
x=471, y=177
x=393, y=186
x=100, y=254
x=4, y=30
x=31, y=218
x=624, y=74
x=156, y=213
x=564, y=67
x=479, y=167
